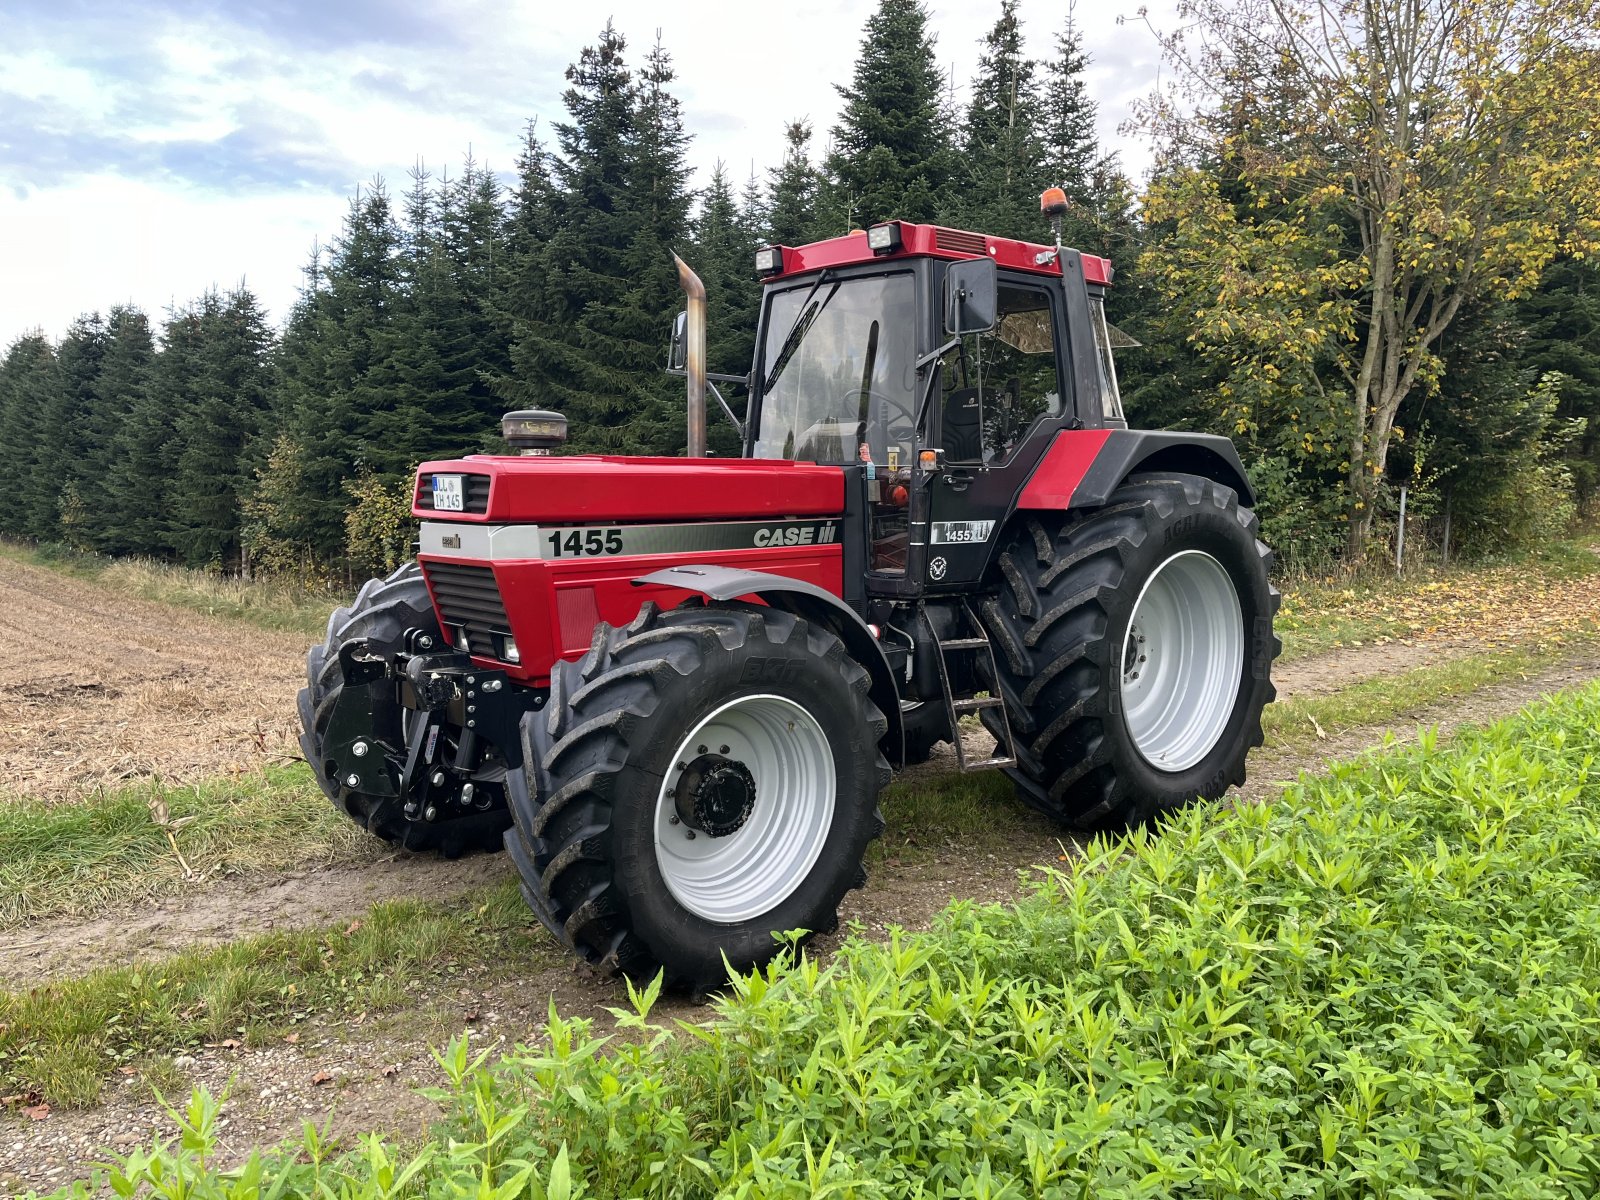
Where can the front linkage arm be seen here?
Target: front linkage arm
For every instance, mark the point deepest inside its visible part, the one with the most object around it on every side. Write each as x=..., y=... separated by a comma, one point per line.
x=375, y=748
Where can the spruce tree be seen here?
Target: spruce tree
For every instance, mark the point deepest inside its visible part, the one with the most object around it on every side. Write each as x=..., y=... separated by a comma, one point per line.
x=592, y=344
x=232, y=379
x=791, y=209
x=65, y=435
x=892, y=156
x=30, y=383
x=1003, y=168
x=1072, y=156
x=134, y=444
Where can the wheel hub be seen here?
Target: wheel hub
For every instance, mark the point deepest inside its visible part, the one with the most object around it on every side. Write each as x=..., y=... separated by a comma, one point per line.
x=715, y=795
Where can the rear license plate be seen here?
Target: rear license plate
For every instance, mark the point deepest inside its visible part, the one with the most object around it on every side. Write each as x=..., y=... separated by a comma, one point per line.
x=448, y=494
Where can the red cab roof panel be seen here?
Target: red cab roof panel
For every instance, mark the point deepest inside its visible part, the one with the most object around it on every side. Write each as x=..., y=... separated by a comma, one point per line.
x=935, y=241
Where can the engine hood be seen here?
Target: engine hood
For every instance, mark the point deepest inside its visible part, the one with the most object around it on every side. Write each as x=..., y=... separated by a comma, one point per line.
x=615, y=489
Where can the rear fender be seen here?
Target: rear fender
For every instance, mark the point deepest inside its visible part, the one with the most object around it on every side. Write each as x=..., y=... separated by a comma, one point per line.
x=1083, y=467
x=803, y=600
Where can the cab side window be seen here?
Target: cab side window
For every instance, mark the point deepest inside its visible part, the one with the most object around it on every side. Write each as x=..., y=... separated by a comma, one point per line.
x=998, y=385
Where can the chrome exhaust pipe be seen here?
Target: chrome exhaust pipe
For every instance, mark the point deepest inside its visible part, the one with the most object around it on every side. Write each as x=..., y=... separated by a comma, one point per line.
x=694, y=361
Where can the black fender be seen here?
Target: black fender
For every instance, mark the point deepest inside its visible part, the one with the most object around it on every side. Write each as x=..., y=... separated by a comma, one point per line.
x=1128, y=451
x=803, y=600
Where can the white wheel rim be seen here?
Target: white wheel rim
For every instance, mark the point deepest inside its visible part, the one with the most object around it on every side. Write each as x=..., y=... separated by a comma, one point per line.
x=738, y=875
x=1182, y=661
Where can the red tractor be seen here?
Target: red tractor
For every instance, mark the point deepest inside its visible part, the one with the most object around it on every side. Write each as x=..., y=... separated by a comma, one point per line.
x=674, y=687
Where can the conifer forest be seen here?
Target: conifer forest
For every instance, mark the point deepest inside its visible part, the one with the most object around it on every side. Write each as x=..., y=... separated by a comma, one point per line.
x=1365, y=251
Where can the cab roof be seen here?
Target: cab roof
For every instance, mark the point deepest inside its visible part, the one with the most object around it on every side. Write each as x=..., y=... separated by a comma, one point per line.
x=933, y=241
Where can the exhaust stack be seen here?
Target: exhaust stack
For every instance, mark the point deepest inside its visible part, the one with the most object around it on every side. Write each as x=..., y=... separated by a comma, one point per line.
x=694, y=363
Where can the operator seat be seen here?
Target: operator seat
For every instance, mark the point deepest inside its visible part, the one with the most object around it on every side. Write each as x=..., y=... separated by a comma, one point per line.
x=961, y=431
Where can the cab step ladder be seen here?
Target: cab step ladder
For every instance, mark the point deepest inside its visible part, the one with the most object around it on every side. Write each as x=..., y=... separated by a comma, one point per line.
x=974, y=641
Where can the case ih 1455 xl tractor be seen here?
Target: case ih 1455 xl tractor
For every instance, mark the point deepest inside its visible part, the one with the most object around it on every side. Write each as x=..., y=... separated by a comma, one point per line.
x=674, y=687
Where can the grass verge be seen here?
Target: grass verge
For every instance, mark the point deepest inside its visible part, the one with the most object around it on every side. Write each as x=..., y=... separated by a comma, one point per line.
x=1299, y=724
x=1383, y=984
x=151, y=840
x=268, y=603
x=62, y=1039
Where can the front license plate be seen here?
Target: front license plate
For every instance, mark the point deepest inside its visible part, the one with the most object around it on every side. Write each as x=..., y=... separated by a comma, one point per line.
x=448, y=494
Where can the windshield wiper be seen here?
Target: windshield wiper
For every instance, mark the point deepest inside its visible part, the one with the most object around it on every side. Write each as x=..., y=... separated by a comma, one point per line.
x=798, y=330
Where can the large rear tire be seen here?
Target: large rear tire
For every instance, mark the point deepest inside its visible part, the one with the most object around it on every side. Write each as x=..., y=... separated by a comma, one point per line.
x=380, y=615
x=703, y=779
x=1134, y=648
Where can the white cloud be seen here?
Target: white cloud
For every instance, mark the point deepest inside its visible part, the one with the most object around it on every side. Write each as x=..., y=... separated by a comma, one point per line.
x=190, y=149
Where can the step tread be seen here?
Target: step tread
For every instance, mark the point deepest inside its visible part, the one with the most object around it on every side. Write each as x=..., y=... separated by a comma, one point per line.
x=976, y=703
x=977, y=764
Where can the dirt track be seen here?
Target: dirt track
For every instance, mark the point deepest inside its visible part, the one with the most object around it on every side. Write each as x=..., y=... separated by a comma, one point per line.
x=99, y=690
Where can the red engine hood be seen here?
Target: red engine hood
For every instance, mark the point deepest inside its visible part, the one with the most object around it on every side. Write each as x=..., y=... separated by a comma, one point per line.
x=603, y=488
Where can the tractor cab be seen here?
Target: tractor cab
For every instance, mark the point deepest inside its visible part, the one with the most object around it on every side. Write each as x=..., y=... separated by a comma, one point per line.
x=935, y=365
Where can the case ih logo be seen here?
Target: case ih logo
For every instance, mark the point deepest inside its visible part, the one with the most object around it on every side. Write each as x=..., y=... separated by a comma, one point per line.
x=794, y=535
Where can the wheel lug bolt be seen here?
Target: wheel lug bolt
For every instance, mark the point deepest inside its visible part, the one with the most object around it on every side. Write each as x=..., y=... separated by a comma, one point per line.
x=689, y=833
x=701, y=750
x=672, y=820
x=722, y=750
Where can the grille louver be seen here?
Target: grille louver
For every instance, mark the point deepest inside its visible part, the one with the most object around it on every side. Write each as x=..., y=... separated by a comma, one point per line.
x=959, y=240
x=474, y=487
x=469, y=599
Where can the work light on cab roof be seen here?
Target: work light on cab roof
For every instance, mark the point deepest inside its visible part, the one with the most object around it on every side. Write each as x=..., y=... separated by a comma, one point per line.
x=673, y=688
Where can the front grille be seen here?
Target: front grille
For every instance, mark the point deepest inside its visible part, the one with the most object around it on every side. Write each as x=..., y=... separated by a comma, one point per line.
x=469, y=600
x=959, y=240
x=475, y=489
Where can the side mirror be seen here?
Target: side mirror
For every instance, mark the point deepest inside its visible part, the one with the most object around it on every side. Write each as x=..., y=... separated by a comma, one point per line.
x=678, y=352
x=971, y=297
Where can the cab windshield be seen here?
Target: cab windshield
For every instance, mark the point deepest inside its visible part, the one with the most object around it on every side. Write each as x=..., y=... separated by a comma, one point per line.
x=837, y=371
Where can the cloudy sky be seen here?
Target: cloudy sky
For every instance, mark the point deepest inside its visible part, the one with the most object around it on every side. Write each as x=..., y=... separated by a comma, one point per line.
x=151, y=150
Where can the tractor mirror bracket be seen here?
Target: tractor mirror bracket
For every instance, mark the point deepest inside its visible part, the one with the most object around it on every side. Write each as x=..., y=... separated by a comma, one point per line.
x=971, y=295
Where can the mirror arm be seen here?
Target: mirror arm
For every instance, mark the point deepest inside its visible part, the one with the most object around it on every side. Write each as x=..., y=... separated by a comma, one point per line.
x=716, y=392
x=927, y=358
x=742, y=380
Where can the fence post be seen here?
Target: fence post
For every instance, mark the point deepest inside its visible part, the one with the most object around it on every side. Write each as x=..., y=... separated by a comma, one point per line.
x=1400, y=536
x=1447, y=529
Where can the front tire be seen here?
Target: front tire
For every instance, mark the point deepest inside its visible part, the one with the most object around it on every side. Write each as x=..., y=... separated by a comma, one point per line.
x=703, y=779
x=1134, y=648
x=380, y=615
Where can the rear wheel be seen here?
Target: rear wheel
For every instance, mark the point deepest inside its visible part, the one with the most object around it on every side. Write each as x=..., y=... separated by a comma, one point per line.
x=703, y=779
x=380, y=615
x=1134, y=645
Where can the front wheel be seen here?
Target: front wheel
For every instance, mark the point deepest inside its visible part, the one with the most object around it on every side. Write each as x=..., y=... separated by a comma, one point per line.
x=1134, y=649
x=703, y=779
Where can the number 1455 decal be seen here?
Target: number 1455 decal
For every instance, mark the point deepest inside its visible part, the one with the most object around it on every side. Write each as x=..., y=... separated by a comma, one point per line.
x=585, y=541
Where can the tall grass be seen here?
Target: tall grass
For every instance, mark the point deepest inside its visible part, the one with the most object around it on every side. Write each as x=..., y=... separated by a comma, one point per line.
x=267, y=602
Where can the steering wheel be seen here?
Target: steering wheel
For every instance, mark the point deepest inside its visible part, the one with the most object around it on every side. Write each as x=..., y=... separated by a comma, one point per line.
x=897, y=419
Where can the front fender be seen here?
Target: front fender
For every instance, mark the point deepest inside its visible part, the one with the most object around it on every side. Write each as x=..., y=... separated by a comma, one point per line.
x=803, y=600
